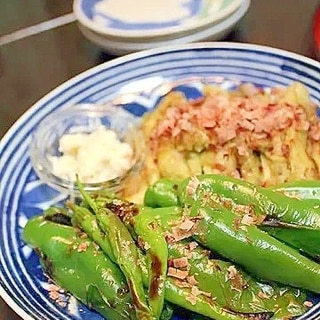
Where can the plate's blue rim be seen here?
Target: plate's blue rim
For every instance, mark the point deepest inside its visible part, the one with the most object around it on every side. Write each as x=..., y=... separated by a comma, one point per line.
x=13, y=305
x=276, y=53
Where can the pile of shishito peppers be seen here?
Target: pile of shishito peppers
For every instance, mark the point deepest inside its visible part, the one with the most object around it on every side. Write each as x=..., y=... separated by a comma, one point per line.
x=215, y=246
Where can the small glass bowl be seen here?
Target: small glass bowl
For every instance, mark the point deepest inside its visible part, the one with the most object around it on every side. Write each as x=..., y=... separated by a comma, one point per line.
x=84, y=118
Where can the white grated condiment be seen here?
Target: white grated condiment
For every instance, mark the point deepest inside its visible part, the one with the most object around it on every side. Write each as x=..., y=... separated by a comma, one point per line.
x=95, y=157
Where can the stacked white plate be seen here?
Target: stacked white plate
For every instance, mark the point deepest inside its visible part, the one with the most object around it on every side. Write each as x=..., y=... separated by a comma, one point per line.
x=125, y=26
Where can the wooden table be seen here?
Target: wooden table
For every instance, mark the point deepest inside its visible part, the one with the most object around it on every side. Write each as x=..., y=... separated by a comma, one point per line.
x=32, y=65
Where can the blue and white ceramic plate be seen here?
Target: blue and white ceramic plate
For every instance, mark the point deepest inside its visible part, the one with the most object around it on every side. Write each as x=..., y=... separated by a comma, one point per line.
x=213, y=33
x=137, y=81
x=150, y=18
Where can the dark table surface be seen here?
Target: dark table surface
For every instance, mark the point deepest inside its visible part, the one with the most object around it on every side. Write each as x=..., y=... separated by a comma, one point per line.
x=32, y=63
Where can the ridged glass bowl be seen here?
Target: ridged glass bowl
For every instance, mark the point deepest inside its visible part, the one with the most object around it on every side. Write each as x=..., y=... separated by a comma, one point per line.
x=84, y=119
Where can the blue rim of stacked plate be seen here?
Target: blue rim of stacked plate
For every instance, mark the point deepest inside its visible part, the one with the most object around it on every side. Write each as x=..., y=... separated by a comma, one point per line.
x=136, y=30
x=213, y=33
x=142, y=21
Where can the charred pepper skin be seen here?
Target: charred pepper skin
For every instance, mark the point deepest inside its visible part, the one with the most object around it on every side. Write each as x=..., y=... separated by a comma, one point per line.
x=87, y=221
x=62, y=234
x=238, y=291
x=166, y=217
x=156, y=250
x=100, y=283
x=206, y=306
x=263, y=201
x=123, y=251
x=215, y=280
x=126, y=255
x=203, y=305
x=58, y=215
x=254, y=249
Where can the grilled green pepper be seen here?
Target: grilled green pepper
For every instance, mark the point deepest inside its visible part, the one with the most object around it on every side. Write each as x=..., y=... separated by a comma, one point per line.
x=161, y=220
x=165, y=193
x=80, y=266
x=156, y=249
x=123, y=251
x=213, y=275
x=304, y=189
x=98, y=228
x=126, y=255
x=235, y=289
x=294, y=221
x=222, y=231
x=53, y=232
x=106, y=216
x=205, y=306
x=263, y=201
x=302, y=238
x=162, y=193
x=86, y=220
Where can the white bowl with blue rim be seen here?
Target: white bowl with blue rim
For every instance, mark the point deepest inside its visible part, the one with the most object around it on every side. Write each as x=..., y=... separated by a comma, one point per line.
x=215, y=32
x=145, y=19
x=135, y=82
